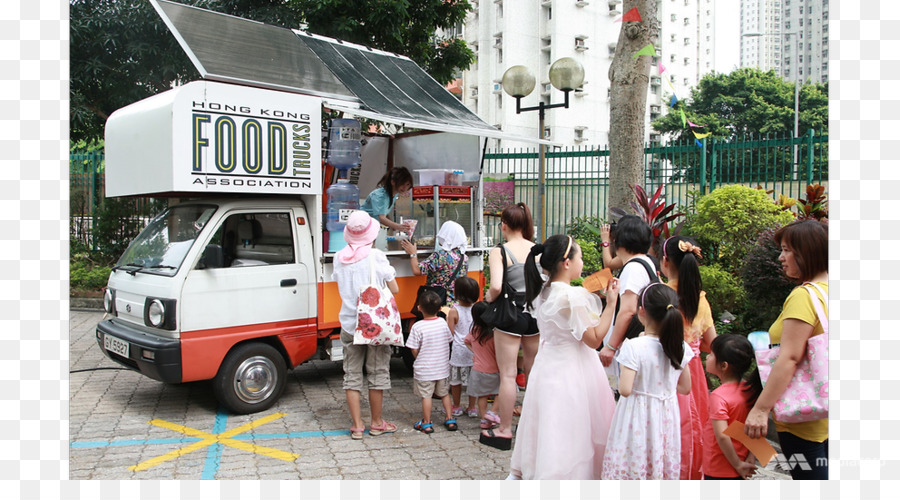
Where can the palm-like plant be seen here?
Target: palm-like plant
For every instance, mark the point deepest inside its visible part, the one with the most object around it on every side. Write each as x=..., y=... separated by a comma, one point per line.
x=655, y=213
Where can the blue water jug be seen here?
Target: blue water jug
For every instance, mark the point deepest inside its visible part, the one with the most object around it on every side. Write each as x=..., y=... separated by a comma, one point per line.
x=343, y=198
x=344, y=143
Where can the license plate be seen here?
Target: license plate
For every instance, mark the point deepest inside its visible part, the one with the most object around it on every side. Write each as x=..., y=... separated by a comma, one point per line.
x=118, y=346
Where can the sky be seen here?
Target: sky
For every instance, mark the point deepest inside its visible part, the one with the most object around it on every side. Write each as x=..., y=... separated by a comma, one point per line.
x=727, y=15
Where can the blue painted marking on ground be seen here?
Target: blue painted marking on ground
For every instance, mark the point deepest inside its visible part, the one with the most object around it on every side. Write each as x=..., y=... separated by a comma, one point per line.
x=189, y=440
x=293, y=435
x=132, y=442
x=214, y=453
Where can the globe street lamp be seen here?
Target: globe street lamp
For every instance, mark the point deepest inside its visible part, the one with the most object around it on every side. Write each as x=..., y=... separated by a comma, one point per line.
x=566, y=74
x=795, y=163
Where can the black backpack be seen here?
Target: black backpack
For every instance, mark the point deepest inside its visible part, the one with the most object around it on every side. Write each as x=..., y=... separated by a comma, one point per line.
x=635, y=327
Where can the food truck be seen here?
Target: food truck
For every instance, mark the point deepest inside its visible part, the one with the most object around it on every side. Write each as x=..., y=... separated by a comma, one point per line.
x=232, y=282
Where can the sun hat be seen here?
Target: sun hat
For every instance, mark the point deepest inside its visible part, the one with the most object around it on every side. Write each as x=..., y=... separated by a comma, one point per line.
x=359, y=233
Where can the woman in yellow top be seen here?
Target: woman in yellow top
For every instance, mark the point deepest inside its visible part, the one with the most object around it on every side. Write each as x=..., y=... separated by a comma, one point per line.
x=804, y=258
x=680, y=264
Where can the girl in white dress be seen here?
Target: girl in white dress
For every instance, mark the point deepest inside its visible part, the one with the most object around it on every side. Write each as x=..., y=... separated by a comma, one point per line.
x=569, y=405
x=645, y=436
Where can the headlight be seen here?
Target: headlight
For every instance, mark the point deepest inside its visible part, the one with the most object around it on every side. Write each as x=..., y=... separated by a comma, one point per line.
x=156, y=313
x=109, y=301
x=159, y=313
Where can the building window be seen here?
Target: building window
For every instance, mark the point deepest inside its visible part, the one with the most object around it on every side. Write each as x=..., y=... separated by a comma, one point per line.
x=687, y=21
x=674, y=17
x=687, y=61
x=687, y=41
x=672, y=37
x=672, y=58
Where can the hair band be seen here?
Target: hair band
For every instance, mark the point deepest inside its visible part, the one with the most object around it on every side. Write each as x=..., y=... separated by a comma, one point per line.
x=644, y=293
x=670, y=306
x=665, y=244
x=688, y=247
x=569, y=247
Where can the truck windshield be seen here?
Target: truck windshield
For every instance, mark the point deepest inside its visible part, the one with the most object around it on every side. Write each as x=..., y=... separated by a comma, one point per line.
x=162, y=246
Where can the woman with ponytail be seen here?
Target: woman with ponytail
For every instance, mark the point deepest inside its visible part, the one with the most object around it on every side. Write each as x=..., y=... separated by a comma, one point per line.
x=645, y=433
x=569, y=405
x=681, y=256
x=517, y=228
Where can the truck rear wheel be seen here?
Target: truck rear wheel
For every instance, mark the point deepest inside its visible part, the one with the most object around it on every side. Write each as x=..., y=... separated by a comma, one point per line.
x=251, y=378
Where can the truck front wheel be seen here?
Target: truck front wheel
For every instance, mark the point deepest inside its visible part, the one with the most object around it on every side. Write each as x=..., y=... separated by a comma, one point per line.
x=251, y=378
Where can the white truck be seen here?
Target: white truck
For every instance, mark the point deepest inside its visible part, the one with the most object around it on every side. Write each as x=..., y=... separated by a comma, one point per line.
x=232, y=283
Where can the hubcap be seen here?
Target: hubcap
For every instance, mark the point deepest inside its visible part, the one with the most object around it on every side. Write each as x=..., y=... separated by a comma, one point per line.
x=255, y=379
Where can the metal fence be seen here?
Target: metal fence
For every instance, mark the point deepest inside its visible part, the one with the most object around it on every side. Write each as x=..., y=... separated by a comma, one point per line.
x=576, y=179
x=87, y=198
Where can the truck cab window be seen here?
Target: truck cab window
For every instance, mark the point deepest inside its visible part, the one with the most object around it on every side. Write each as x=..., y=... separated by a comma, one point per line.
x=256, y=239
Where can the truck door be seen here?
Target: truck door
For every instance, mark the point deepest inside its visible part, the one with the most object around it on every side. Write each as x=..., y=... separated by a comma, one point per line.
x=265, y=289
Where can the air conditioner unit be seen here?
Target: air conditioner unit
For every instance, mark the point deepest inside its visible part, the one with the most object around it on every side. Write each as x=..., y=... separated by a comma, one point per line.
x=581, y=3
x=498, y=43
x=579, y=45
x=654, y=137
x=497, y=88
x=580, y=93
x=473, y=92
x=614, y=11
x=654, y=80
x=546, y=88
x=654, y=108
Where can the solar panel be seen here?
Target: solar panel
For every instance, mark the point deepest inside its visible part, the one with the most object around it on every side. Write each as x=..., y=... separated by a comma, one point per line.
x=230, y=49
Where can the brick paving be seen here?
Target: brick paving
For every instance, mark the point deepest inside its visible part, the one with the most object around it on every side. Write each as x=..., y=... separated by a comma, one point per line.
x=110, y=433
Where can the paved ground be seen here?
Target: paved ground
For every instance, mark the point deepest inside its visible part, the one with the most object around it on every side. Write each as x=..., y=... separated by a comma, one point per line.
x=303, y=436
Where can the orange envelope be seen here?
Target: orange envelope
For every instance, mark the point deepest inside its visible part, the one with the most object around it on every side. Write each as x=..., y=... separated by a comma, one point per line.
x=760, y=448
x=598, y=280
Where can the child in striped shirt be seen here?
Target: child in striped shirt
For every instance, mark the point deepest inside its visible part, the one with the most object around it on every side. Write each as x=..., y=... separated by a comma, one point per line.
x=429, y=340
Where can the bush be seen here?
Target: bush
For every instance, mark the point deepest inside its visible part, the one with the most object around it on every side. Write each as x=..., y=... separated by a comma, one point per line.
x=590, y=254
x=84, y=275
x=729, y=219
x=764, y=282
x=723, y=290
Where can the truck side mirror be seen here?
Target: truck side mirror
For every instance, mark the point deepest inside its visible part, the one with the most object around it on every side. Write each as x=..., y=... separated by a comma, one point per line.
x=213, y=257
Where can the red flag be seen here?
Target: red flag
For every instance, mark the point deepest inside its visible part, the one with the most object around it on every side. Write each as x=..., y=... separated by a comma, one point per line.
x=632, y=15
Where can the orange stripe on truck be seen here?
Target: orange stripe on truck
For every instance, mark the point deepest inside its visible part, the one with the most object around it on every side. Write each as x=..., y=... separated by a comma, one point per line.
x=202, y=351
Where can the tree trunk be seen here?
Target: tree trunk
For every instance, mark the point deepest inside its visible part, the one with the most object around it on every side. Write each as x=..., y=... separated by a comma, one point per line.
x=629, y=81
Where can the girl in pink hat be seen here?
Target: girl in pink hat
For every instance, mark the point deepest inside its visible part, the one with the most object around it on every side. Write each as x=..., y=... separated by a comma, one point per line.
x=351, y=272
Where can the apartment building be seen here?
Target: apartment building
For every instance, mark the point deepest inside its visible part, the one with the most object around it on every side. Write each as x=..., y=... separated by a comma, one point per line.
x=789, y=36
x=504, y=33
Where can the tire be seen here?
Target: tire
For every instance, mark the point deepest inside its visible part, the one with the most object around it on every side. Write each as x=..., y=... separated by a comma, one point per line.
x=251, y=378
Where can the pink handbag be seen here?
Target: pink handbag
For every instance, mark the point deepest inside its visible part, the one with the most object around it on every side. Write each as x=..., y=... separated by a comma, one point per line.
x=377, y=317
x=806, y=396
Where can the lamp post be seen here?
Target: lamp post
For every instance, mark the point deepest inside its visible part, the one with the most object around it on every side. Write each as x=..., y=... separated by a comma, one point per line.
x=566, y=74
x=795, y=161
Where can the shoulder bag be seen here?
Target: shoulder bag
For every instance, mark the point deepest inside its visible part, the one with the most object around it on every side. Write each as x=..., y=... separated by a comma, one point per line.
x=806, y=396
x=503, y=312
x=634, y=326
x=377, y=316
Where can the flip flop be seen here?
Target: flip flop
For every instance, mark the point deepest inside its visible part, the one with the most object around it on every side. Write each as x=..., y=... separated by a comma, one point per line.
x=426, y=427
x=386, y=428
x=356, y=433
x=489, y=438
x=450, y=424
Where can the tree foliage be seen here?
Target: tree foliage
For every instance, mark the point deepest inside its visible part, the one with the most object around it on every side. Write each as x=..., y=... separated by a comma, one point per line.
x=397, y=26
x=122, y=52
x=744, y=102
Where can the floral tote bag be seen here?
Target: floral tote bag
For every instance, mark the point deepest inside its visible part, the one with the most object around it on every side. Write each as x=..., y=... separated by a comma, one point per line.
x=378, y=319
x=806, y=396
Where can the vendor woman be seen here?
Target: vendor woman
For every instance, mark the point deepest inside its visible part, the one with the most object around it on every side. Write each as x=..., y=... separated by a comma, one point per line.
x=380, y=202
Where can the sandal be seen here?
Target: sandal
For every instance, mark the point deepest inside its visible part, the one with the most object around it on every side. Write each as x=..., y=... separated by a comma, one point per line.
x=450, y=424
x=487, y=424
x=426, y=427
x=472, y=413
x=357, y=433
x=492, y=417
x=489, y=438
x=386, y=428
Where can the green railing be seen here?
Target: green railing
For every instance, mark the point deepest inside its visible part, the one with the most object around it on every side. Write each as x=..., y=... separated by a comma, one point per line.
x=576, y=179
